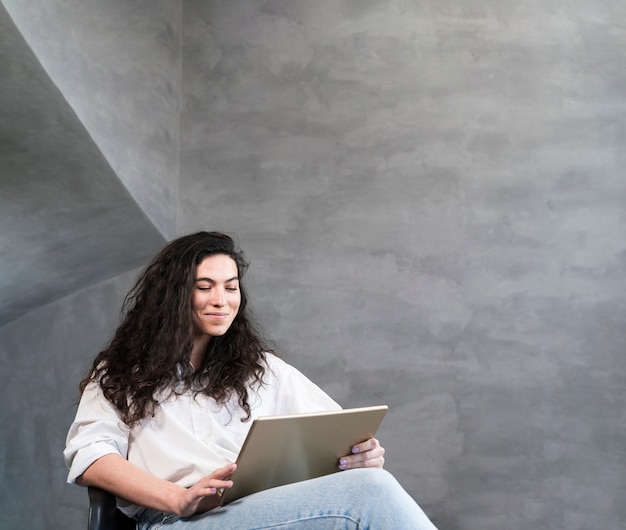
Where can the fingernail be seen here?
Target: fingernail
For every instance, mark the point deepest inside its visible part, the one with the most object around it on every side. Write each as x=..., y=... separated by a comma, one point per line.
x=355, y=449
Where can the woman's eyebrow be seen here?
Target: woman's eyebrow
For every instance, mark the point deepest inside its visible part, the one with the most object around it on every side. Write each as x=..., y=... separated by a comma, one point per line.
x=204, y=279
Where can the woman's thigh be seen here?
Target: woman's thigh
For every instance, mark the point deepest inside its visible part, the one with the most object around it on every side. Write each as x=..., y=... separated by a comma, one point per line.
x=355, y=499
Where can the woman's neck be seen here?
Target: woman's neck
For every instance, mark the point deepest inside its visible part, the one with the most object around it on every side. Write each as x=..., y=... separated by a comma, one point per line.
x=198, y=350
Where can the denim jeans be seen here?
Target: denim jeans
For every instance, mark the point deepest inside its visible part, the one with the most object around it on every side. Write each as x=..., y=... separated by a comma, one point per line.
x=357, y=499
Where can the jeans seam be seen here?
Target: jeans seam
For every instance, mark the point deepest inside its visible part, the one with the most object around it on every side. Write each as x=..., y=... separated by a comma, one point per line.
x=313, y=517
x=163, y=521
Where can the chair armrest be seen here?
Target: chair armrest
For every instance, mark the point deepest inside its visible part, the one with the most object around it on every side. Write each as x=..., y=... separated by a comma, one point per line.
x=103, y=512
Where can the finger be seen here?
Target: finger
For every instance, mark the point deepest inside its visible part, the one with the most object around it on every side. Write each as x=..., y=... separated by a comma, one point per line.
x=359, y=456
x=224, y=472
x=345, y=463
x=348, y=462
x=209, y=486
x=367, y=445
x=370, y=458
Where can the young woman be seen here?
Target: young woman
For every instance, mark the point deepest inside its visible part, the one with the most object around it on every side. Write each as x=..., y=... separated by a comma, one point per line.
x=167, y=405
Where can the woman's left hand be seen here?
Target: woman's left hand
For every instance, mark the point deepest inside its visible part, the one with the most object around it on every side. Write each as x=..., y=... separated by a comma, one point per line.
x=366, y=454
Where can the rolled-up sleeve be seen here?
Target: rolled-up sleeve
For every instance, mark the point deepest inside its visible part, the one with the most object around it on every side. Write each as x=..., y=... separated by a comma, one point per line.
x=96, y=431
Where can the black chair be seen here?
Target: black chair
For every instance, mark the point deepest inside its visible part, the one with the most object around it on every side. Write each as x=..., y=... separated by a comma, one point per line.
x=103, y=512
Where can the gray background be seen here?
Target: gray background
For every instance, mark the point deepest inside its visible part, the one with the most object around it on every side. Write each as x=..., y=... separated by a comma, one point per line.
x=432, y=196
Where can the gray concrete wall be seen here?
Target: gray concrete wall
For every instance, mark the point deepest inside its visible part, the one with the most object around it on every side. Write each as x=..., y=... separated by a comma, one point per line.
x=118, y=65
x=43, y=357
x=66, y=220
x=432, y=197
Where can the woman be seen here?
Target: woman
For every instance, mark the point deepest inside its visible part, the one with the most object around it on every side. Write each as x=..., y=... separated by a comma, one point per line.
x=167, y=405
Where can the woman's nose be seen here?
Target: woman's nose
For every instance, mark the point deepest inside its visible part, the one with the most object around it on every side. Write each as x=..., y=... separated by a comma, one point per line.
x=218, y=297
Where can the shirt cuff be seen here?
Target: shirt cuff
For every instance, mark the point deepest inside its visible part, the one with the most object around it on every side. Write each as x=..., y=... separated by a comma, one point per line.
x=87, y=456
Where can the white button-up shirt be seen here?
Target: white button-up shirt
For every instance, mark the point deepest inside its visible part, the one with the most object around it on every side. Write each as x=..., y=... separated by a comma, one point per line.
x=190, y=436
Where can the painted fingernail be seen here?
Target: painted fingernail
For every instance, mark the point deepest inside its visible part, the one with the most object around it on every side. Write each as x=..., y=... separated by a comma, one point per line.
x=355, y=449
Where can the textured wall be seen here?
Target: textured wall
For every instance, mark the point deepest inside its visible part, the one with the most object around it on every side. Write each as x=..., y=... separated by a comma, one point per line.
x=118, y=65
x=432, y=194
x=66, y=220
x=432, y=198
x=43, y=356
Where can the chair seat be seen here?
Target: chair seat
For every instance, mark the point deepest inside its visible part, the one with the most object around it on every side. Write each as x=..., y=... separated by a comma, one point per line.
x=103, y=512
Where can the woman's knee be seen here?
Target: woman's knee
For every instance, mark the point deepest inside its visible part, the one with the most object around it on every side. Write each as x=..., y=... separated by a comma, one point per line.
x=384, y=502
x=371, y=479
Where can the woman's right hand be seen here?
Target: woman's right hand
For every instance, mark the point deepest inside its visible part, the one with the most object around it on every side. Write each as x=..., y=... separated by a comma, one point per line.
x=114, y=473
x=205, y=494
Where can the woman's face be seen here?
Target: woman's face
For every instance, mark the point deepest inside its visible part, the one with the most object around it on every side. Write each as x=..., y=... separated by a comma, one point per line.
x=216, y=296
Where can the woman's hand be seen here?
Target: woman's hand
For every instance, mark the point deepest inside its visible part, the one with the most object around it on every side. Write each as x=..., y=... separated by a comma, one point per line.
x=114, y=473
x=205, y=494
x=366, y=454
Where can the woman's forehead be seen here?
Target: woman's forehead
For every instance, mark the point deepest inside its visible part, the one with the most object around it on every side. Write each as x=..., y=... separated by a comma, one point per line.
x=217, y=267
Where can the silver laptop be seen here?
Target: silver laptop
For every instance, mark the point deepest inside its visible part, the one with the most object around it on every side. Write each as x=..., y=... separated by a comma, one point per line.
x=289, y=448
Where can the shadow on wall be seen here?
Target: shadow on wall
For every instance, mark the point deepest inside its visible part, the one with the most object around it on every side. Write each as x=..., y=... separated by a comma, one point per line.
x=67, y=220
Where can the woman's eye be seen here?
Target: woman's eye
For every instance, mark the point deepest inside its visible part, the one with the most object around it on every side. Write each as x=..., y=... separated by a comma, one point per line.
x=231, y=289
x=204, y=288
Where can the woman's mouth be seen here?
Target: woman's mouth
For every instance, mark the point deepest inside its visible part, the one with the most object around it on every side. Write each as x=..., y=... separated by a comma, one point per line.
x=217, y=316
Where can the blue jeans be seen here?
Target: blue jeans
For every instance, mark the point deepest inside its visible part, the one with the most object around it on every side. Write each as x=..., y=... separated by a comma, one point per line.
x=357, y=499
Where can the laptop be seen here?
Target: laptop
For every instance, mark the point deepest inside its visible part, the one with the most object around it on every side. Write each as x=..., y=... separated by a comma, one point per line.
x=289, y=448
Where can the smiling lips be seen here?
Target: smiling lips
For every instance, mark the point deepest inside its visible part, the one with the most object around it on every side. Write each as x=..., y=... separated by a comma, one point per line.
x=217, y=316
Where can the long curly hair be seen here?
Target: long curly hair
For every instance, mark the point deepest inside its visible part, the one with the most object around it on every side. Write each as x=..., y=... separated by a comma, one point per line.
x=148, y=359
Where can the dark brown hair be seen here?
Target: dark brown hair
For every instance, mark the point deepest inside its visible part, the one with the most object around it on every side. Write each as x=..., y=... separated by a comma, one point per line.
x=148, y=357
